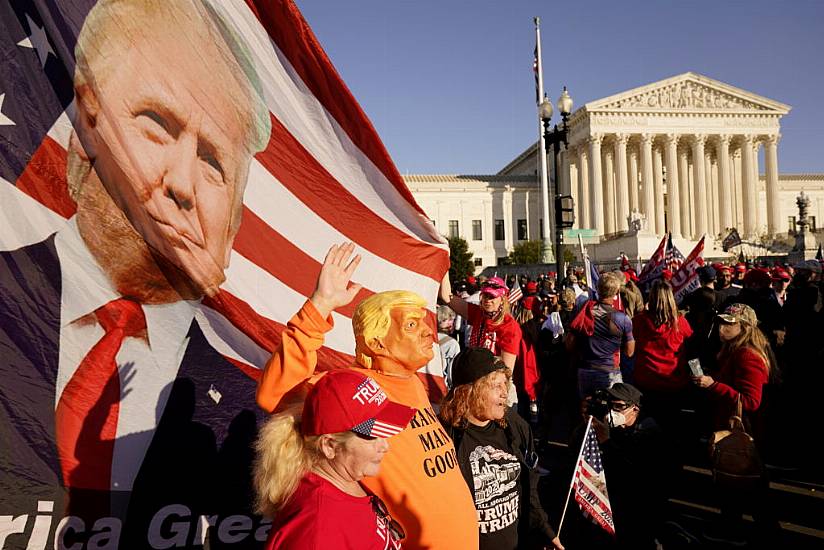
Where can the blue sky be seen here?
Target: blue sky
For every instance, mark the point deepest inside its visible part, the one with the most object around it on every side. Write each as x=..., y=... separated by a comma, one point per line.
x=448, y=84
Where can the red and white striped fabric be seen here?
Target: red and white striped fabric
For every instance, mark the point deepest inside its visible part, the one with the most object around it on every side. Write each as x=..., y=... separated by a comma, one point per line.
x=325, y=177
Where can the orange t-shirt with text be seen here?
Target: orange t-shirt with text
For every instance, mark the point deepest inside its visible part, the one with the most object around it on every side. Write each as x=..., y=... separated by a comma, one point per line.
x=419, y=478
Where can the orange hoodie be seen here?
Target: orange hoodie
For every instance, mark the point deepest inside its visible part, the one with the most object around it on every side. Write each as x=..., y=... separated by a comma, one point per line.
x=419, y=479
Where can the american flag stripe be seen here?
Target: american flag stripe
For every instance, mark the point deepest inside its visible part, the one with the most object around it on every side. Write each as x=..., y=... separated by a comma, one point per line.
x=324, y=177
x=303, y=53
x=325, y=126
x=381, y=429
x=589, y=481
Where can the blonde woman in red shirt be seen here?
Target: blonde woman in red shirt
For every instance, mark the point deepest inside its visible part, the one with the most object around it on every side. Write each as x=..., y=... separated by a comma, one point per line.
x=660, y=358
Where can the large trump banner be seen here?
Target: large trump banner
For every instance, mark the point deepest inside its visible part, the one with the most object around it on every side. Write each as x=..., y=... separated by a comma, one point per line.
x=172, y=173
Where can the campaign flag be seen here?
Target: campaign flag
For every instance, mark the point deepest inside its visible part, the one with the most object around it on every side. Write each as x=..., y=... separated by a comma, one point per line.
x=590, y=483
x=732, y=239
x=685, y=280
x=655, y=265
x=515, y=293
x=196, y=158
x=673, y=259
x=592, y=278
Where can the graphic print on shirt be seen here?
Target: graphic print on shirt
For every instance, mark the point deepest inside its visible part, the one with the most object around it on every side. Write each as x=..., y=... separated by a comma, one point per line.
x=495, y=476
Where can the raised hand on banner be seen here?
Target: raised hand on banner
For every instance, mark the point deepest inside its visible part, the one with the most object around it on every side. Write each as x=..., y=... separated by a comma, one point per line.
x=334, y=288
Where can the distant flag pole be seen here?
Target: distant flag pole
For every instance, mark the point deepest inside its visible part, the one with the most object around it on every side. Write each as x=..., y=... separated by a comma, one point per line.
x=542, y=170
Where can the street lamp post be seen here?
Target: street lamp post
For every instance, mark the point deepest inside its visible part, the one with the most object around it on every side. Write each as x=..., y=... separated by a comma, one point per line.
x=554, y=138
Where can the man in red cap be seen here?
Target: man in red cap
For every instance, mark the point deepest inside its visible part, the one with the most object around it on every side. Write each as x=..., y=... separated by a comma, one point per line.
x=738, y=276
x=780, y=281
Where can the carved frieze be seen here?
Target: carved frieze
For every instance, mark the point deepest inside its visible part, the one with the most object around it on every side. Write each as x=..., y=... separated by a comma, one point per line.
x=685, y=95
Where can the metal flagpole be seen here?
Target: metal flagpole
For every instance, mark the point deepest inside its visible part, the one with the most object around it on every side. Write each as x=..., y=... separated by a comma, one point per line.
x=548, y=227
x=572, y=482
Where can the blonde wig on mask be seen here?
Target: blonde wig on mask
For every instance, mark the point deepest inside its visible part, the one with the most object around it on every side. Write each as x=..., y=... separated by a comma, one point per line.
x=372, y=319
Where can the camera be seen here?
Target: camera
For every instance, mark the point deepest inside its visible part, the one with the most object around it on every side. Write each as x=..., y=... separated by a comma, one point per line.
x=598, y=404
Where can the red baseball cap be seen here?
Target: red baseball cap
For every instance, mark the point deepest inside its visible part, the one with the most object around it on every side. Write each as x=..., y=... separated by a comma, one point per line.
x=345, y=400
x=779, y=274
x=740, y=267
x=532, y=286
x=471, y=280
x=667, y=274
x=494, y=286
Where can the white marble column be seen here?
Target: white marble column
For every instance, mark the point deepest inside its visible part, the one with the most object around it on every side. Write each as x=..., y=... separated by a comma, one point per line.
x=711, y=174
x=699, y=167
x=739, y=189
x=634, y=203
x=621, y=184
x=609, y=193
x=724, y=183
x=771, y=168
x=509, y=226
x=658, y=169
x=648, y=197
x=759, y=219
x=572, y=163
x=596, y=205
x=673, y=192
x=583, y=185
x=750, y=187
x=685, y=211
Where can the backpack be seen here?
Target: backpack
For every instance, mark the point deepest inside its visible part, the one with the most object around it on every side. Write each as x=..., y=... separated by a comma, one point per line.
x=736, y=463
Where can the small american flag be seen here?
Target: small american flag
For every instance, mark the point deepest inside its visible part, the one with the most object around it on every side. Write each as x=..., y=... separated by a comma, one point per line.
x=590, y=483
x=673, y=259
x=515, y=293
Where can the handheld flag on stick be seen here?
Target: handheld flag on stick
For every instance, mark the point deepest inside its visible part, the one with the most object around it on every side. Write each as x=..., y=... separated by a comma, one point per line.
x=655, y=265
x=685, y=280
x=590, y=484
x=732, y=239
x=673, y=259
x=515, y=293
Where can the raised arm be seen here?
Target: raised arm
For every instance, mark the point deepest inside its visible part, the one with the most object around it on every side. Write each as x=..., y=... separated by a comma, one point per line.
x=455, y=302
x=295, y=359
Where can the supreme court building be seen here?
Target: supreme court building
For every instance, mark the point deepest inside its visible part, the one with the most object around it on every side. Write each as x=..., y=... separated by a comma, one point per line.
x=680, y=155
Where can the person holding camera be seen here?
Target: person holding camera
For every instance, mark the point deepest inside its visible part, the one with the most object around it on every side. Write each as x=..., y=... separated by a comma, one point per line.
x=638, y=461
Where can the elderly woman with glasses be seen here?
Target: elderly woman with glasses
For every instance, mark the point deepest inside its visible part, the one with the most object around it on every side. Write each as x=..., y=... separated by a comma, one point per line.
x=308, y=470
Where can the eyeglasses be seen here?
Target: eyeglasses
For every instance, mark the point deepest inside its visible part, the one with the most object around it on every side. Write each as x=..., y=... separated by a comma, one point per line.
x=395, y=530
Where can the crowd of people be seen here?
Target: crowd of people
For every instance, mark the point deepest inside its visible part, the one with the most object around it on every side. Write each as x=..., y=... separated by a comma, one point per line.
x=655, y=378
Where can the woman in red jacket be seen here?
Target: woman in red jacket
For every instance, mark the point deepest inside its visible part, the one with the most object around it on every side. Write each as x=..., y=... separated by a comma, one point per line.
x=660, y=368
x=746, y=363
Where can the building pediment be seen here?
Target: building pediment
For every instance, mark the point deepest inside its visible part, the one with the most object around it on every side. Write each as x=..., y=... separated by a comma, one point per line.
x=688, y=92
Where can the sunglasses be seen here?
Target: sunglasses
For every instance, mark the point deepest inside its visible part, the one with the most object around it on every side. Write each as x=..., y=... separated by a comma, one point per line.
x=618, y=407
x=395, y=530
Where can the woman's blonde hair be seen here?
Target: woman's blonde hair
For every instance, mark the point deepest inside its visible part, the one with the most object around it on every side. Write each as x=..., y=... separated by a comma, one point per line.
x=283, y=456
x=662, y=307
x=751, y=337
x=463, y=400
